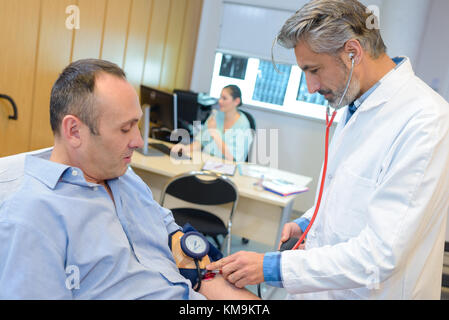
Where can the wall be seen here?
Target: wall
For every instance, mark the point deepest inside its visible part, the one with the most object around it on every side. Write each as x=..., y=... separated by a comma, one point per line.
x=432, y=64
x=153, y=40
x=301, y=140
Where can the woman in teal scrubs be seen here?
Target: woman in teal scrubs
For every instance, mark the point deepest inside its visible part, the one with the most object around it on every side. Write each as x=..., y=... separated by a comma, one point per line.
x=227, y=132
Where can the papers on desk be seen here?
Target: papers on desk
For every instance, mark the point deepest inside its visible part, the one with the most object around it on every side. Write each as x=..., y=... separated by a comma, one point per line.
x=282, y=187
x=219, y=167
x=281, y=182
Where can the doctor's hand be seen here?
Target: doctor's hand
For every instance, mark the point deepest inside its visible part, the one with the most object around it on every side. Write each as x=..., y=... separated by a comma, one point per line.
x=241, y=268
x=291, y=230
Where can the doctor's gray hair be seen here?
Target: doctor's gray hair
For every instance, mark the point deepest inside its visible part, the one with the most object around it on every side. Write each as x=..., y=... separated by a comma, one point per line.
x=326, y=25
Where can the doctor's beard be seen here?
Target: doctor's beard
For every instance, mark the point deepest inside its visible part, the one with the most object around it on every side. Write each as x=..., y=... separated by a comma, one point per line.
x=353, y=90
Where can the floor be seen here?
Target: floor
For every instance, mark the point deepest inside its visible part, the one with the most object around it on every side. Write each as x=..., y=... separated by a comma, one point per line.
x=271, y=293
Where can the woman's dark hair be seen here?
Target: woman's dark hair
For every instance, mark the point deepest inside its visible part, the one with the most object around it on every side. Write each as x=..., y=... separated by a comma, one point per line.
x=235, y=92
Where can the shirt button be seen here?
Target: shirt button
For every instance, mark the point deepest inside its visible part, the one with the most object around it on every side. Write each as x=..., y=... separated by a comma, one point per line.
x=74, y=173
x=95, y=188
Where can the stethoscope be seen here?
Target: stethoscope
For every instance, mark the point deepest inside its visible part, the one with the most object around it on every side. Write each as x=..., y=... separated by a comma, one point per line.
x=329, y=121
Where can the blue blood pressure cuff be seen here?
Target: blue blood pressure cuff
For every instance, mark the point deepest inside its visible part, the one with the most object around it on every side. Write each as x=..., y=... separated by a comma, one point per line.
x=192, y=253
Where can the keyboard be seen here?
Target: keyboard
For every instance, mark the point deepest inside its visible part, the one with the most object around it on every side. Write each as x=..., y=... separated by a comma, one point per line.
x=161, y=147
x=166, y=150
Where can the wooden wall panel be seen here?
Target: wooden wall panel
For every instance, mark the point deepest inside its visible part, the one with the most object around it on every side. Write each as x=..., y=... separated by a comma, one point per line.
x=17, y=67
x=154, y=41
x=172, y=44
x=87, y=41
x=55, y=42
x=115, y=31
x=137, y=41
x=188, y=44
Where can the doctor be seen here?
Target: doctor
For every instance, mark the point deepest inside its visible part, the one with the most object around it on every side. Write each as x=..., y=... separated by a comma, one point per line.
x=380, y=229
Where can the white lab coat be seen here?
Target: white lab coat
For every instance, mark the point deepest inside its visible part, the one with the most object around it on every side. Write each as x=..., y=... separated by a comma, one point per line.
x=380, y=231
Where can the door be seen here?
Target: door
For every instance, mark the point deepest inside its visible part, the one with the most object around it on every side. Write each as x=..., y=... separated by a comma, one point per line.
x=18, y=40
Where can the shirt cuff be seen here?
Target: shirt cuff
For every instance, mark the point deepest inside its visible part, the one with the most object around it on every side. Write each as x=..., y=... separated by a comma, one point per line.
x=272, y=269
x=303, y=223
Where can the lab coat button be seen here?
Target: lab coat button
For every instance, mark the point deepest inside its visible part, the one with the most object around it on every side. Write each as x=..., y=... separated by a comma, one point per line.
x=330, y=177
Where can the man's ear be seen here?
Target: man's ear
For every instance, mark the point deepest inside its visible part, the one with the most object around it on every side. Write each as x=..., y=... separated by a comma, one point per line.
x=71, y=128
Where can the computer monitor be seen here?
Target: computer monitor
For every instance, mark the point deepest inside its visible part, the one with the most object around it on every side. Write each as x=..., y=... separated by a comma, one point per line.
x=159, y=110
x=188, y=108
x=163, y=107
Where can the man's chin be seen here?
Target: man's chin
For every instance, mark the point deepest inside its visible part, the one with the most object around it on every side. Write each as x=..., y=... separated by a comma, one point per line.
x=116, y=174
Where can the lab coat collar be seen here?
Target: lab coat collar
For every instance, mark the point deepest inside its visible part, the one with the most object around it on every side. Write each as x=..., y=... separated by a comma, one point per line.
x=390, y=84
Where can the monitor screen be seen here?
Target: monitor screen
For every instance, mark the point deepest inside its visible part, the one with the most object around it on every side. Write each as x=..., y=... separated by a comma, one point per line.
x=163, y=107
x=188, y=109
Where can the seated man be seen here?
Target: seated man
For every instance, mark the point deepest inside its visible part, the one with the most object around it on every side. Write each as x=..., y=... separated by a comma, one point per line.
x=83, y=225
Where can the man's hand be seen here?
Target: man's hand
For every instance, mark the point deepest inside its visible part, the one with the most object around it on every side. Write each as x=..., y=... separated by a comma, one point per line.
x=242, y=268
x=220, y=289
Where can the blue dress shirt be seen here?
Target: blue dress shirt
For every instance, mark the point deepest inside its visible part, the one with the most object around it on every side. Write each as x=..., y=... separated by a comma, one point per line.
x=272, y=260
x=64, y=238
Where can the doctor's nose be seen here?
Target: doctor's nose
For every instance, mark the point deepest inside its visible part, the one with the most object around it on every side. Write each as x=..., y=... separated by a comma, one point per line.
x=313, y=85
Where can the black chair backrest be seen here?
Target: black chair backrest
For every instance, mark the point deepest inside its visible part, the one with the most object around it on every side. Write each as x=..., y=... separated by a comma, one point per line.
x=252, y=122
x=192, y=189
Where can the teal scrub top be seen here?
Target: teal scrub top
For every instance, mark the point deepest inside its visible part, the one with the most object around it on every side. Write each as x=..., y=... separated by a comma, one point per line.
x=238, y=139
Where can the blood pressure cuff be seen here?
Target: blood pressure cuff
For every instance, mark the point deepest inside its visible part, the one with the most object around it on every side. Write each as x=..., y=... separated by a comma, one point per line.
x=186, y=264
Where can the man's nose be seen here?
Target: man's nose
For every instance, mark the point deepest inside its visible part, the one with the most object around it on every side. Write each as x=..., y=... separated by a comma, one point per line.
x=313, y=85
x=137, y=141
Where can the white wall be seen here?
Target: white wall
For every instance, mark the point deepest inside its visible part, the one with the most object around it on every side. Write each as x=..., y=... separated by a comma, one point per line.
x=402, y=25
x=432, y=65
x=301, y=140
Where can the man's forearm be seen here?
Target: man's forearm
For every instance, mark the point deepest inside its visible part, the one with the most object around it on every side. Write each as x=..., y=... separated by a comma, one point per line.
x=220, y=289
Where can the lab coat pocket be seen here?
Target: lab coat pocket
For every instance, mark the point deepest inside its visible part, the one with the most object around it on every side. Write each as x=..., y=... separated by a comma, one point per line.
x=348, y=205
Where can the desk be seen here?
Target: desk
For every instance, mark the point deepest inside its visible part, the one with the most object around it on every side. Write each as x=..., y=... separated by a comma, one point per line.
x=260, y=215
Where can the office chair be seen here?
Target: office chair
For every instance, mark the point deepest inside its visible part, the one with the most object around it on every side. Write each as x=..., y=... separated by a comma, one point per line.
x=252, y=124
x=193, y=188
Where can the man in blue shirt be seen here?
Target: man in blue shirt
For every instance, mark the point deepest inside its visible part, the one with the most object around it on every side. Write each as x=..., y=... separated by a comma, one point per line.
x=83, y=225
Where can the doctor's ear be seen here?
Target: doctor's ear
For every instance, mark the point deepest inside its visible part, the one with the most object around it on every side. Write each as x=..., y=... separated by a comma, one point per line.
x=353, y=50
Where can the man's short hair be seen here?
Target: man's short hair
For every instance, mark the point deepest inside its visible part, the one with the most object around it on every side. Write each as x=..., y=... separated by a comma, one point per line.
x=74, y=92
x=326, y=25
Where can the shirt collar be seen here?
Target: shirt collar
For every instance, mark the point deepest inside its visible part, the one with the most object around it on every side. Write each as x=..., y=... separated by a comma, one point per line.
x=399, y=61
x=50, y=172
x=46, y=171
